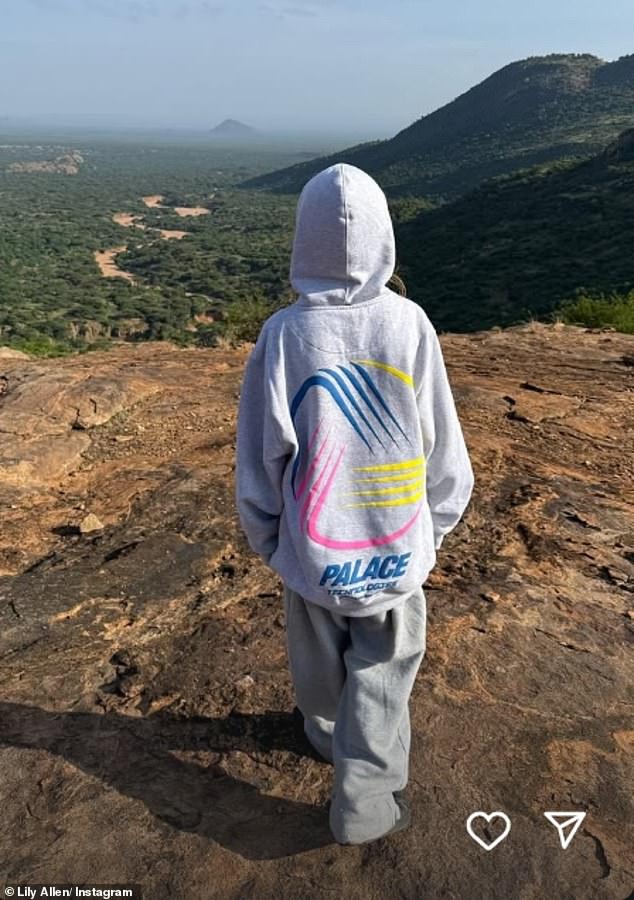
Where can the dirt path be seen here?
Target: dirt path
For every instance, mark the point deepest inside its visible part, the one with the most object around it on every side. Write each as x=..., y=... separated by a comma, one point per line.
x=152, y=201
x=128, y=220
x=105, y=259
x=185, y=211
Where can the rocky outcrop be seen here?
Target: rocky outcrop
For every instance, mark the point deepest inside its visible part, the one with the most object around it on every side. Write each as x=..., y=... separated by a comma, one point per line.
x=46, y=414
x=66, y=164
x=146, y=732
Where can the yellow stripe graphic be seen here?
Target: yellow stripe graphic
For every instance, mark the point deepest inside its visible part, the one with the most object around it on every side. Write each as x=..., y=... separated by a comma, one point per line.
x=399, y=489
x=391, y=369
x=409, y=475
x=402, y=502
x=391, y=467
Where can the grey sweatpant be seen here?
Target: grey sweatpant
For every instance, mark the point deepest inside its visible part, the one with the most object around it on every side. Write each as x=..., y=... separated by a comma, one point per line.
x=353, y=677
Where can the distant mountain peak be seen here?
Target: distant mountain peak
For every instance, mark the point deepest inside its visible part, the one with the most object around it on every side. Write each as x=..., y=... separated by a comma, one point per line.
x=233, y=128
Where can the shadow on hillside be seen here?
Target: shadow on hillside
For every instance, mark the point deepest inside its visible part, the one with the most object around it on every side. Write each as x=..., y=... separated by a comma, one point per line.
x=133, y=756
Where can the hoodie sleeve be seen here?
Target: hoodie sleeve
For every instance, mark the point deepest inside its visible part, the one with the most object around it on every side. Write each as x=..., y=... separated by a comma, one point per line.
x=262, y=453
x=449, y=475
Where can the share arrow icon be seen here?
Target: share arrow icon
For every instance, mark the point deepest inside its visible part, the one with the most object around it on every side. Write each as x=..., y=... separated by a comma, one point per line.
x=566, y=823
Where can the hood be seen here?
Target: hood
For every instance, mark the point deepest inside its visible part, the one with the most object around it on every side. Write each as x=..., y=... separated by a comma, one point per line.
x=343, y=249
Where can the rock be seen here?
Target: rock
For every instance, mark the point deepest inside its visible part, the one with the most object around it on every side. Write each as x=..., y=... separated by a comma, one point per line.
x=90, y=523
x=66, y=164
x=33, y=462
x=47, y=408
x=10, y=353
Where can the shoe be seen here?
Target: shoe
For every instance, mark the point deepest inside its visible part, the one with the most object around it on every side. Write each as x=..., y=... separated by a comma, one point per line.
x=401, y=824
x=405, y=817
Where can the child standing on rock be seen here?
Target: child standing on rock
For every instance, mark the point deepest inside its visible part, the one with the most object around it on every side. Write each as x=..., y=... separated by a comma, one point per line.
x=351, y=467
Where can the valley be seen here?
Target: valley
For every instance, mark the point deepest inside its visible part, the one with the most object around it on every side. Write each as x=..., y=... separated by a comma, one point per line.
x=497, y=221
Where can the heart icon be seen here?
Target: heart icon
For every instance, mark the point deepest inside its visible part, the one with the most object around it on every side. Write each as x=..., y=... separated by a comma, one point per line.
x=488, y=817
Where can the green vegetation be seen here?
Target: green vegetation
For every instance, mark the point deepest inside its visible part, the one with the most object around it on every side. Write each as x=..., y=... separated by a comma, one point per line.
x=53, y=298
x=244, y=243
x=600, y=310
x=530, y=112
x=241, y=320
x=520, y=245
x=552, y=240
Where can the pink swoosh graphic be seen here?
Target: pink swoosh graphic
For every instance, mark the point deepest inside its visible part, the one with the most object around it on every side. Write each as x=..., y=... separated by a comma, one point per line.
x=315, y=488
x=313, y=465
x=333, y=544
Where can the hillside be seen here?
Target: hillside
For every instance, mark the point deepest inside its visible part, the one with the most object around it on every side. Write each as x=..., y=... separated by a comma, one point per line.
x=145, y=701
x=532, y=111
x=520, y=245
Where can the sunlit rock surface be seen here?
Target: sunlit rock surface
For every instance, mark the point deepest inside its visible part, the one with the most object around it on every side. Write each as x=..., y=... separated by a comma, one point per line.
x=146, y=732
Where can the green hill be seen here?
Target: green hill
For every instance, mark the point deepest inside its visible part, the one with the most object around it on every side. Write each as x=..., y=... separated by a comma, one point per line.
x=530, y=112
x=519, y=245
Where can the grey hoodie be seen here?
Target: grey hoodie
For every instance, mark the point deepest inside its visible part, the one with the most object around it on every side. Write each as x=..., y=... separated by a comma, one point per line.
x=351, y=465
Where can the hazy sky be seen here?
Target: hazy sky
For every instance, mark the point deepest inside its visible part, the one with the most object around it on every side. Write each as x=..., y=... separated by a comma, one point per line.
x=365, y=66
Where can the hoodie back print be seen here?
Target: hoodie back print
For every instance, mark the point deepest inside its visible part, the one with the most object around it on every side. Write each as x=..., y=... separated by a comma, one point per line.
x=351, y=464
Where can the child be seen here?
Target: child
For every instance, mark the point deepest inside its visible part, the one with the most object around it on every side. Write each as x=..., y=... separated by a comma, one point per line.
x=351, y=467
